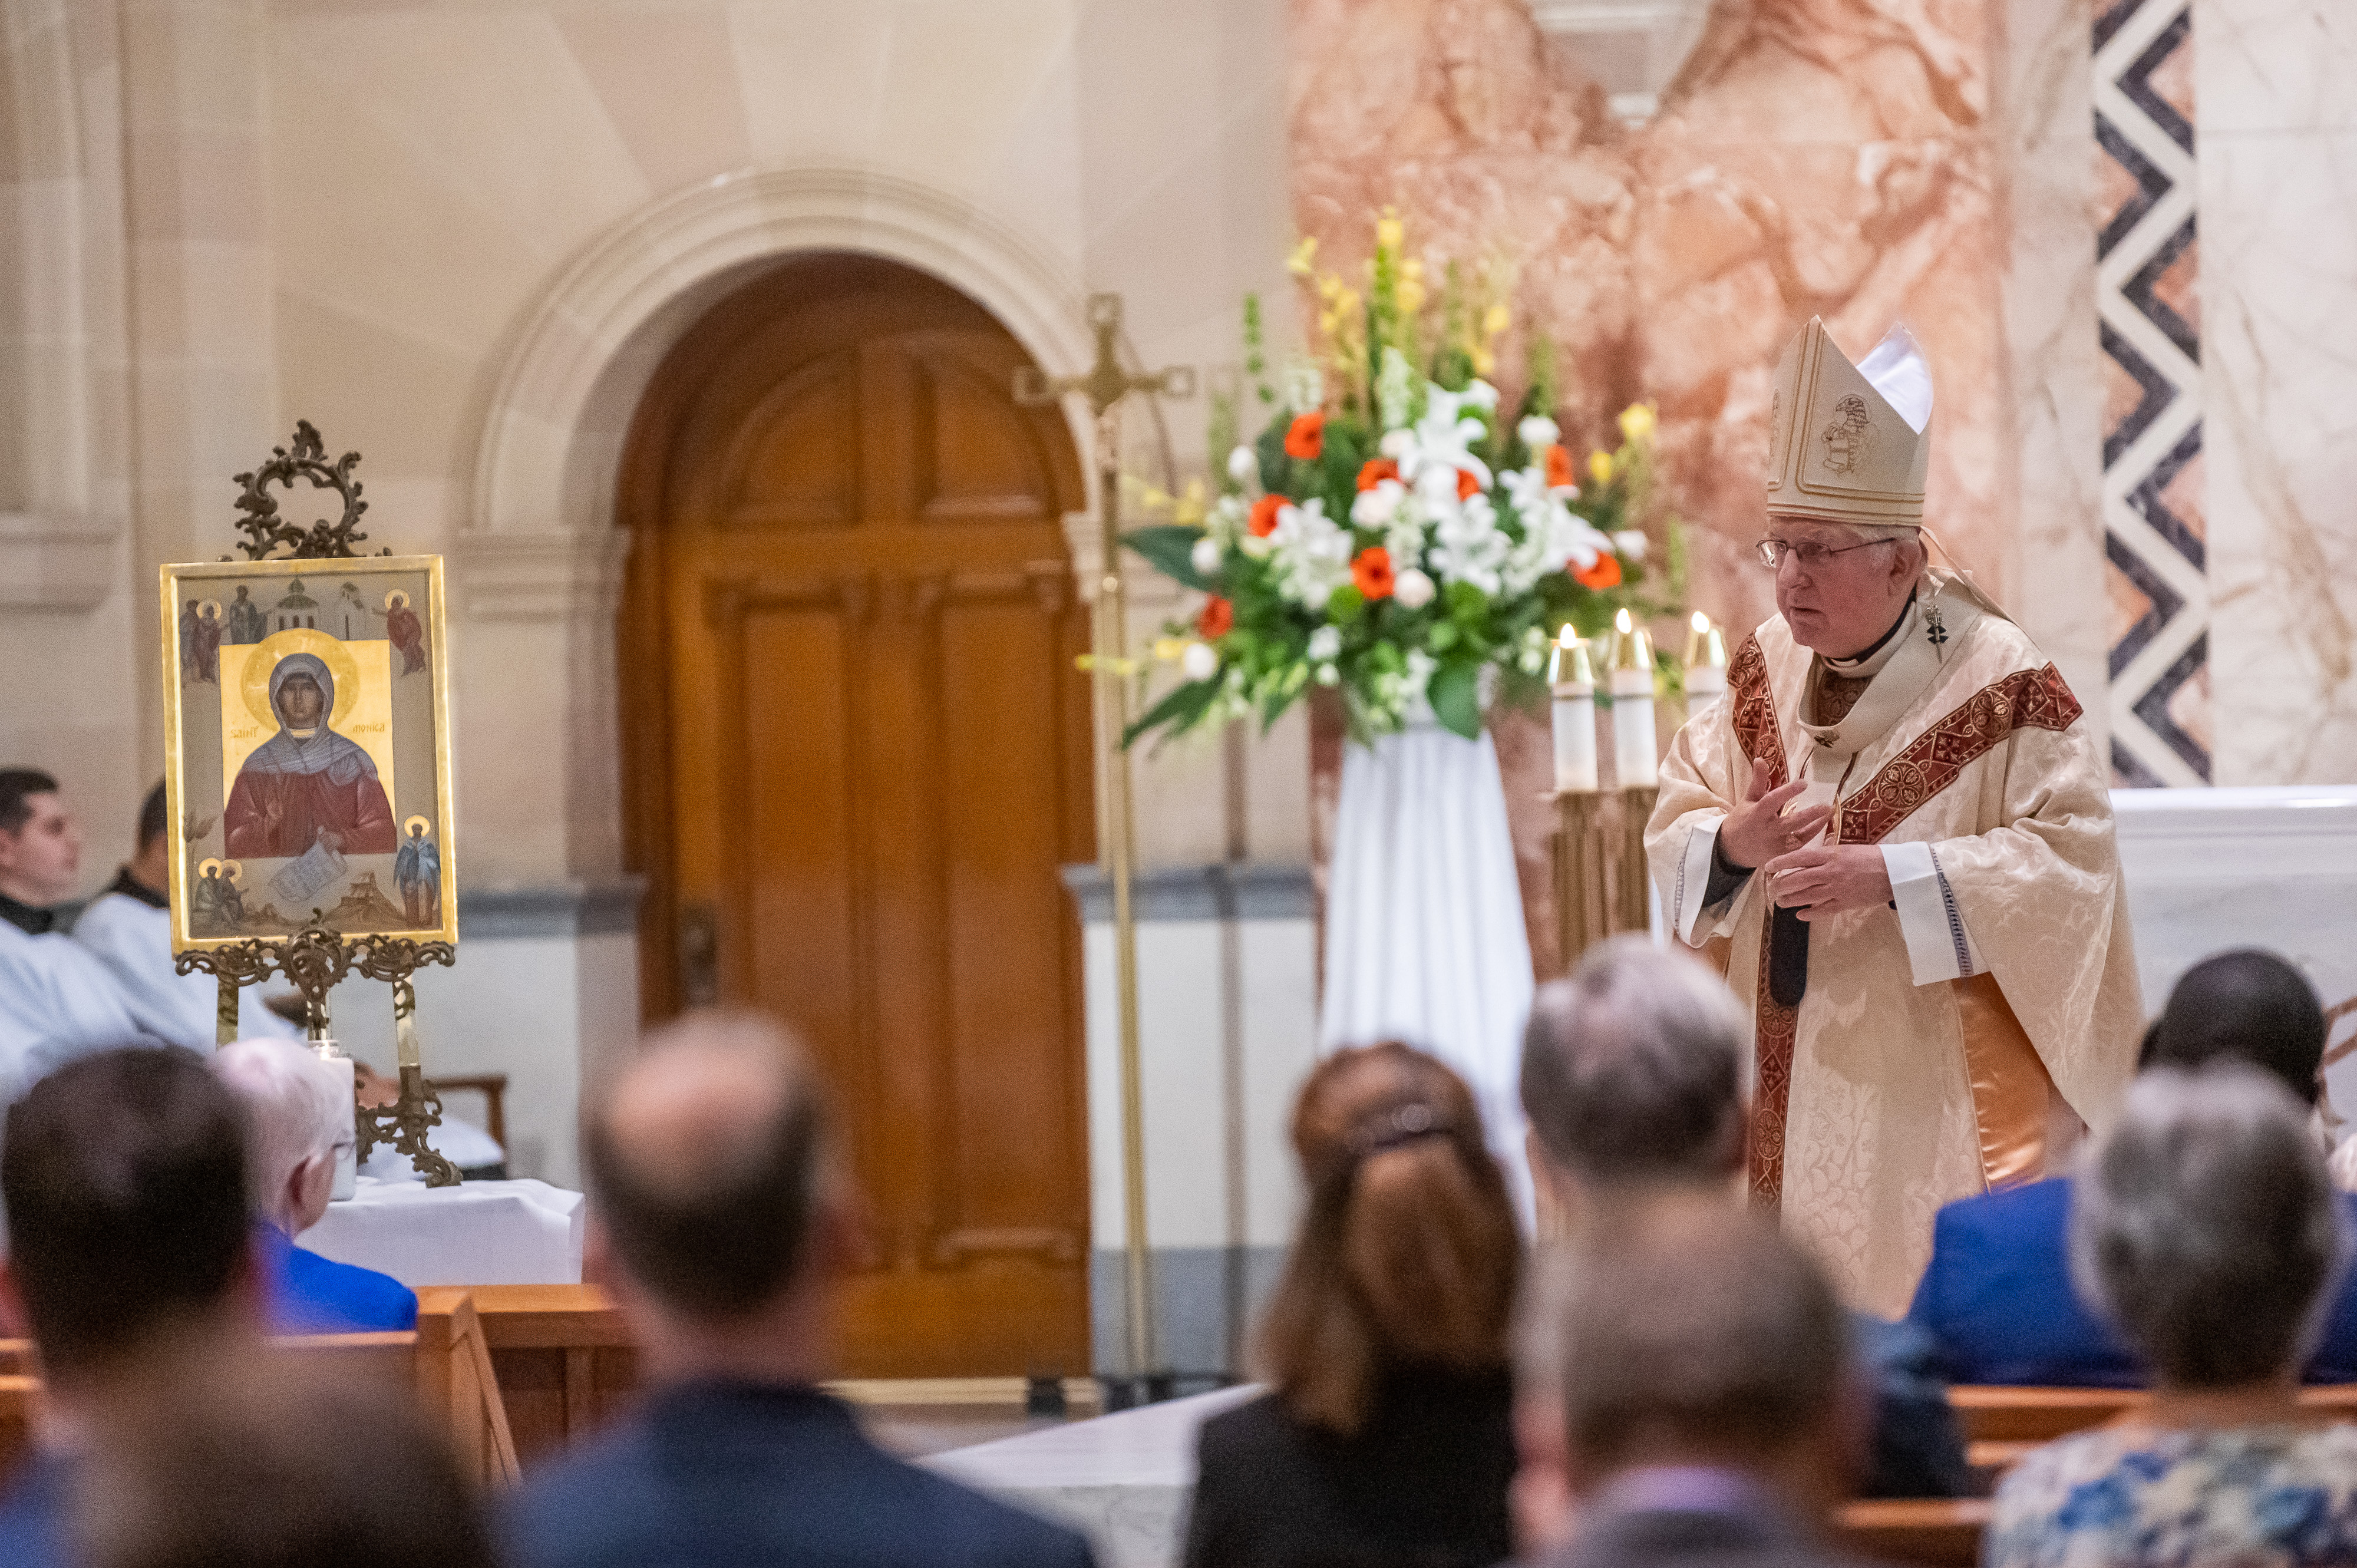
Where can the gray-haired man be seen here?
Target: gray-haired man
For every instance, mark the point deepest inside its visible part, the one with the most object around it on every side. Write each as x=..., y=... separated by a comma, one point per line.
x=1632, y=1082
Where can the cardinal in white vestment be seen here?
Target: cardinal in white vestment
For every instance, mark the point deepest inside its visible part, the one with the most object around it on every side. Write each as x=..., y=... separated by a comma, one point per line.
x=1896, y=835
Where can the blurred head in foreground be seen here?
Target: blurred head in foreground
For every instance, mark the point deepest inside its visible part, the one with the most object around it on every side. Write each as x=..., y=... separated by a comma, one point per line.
x=1693, y=1333
x=1632, y=1075
x=283, y=1466
x=2203, y=1226
x=1408, y=1255
x=124, y=1176
x=723, y=1208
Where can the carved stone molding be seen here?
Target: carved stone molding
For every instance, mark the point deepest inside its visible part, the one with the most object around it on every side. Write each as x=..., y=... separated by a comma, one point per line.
x=55, y=563
x=551, y=437
x=539, y=577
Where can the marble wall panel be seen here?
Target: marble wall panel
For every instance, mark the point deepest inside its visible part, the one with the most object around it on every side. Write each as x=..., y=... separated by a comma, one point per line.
x=1848, y=162
x=2277, y=157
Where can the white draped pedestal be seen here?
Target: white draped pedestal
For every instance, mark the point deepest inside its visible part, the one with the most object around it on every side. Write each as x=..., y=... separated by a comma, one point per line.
x=477, y=1233
x=1424, y=940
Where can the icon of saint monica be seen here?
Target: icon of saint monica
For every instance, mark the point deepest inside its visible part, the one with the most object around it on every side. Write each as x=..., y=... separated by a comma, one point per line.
x=306, y=784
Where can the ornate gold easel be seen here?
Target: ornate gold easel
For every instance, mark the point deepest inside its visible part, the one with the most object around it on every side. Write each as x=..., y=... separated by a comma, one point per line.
x=315, y=959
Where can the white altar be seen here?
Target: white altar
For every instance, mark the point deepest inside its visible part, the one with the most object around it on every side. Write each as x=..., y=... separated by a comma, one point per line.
x=1125, y=1479
x=477, y=1233
x=2211, y=870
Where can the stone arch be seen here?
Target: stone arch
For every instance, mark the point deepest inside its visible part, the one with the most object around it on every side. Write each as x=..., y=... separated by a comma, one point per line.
x=552, y=433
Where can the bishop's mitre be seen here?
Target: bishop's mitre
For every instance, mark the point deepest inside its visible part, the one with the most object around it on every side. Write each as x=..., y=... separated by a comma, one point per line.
x=1850, y=443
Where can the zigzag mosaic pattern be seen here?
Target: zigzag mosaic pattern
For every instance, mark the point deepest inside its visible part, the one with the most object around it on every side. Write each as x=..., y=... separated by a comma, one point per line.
x=2146, y=257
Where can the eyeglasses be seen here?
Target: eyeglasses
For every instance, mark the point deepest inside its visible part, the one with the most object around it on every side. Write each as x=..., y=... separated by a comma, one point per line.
x=1813, y=557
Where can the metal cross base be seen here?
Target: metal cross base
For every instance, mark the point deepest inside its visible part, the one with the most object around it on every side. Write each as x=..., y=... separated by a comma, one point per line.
x=403, y=1123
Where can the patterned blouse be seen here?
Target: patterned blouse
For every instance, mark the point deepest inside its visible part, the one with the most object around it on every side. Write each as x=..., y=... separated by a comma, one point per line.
x=2266, y=1496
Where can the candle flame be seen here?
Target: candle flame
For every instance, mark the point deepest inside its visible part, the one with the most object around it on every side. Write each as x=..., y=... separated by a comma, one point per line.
x=1622, y=624
x=1567, y=637
x=1701, y=622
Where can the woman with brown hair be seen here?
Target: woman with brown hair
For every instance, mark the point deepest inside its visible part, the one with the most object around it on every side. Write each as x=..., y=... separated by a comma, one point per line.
x=1388, y=1436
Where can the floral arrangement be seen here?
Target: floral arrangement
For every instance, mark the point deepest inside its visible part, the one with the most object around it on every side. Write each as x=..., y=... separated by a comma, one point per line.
x=1390, y=534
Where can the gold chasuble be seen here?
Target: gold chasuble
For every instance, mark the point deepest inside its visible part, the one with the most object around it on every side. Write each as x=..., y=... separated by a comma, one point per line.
x=1959, y=1039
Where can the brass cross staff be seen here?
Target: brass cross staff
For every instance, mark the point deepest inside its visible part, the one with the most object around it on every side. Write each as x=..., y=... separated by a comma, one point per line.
x=1106, y=385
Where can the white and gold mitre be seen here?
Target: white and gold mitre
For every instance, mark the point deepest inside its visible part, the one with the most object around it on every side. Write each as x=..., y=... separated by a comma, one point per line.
x=1850, y=443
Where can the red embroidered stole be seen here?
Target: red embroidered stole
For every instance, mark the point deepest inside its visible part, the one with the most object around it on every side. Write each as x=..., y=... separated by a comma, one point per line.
x=2035, y=699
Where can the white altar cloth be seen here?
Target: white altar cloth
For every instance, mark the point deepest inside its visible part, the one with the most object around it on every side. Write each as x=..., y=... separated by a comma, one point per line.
x=1125, y=1479
x=477, y=1233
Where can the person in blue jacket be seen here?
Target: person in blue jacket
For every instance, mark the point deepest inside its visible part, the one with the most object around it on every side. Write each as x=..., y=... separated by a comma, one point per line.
x=1998, y=1300
x=298, y=1122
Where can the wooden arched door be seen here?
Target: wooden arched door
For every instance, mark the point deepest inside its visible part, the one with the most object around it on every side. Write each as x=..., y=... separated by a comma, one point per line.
x=859, y=752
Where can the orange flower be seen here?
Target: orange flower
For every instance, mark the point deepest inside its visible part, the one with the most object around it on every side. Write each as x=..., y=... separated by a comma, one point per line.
x=1219, y=618
x=1305, y=436
x=1605, y=573
x=1558, y=467
x=1375, y=470
x=1468, y=487
x=1263, y=521
x=1372, y=572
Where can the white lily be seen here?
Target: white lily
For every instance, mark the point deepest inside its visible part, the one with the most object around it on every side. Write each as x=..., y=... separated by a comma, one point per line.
x=1205, y=556
x=1200, y=661
x=1326, y=643
x=1312, y=552
x=1413, y=588
x=1243, y=466
x=1538, y=432
x=1443, y=439
x=1631, y=543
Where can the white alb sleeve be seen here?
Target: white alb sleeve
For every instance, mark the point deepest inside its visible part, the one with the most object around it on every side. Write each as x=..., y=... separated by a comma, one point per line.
x=1938, y=946
x=1685, y=911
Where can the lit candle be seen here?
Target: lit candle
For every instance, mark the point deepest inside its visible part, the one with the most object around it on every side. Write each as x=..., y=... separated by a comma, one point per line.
x=1633, y=704
x=1706, y=664
x=347, y=1152
x=1574, y=680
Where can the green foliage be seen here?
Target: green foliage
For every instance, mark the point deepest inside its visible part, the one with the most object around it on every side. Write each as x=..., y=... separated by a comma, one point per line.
x=1170, y=549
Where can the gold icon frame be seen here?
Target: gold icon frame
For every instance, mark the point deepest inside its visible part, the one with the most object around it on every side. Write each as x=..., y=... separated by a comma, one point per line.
x=208, y=798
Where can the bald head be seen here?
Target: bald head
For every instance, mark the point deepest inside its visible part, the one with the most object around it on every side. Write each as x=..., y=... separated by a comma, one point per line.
x=705, y=1158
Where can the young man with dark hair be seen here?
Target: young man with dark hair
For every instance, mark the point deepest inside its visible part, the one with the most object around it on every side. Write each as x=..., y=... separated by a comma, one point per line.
x=129, y=929
x=56, y=1000
x=726, y=1216
x=130, y=1260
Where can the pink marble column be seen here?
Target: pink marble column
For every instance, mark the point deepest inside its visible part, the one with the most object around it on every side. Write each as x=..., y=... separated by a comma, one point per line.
x=1813, y=158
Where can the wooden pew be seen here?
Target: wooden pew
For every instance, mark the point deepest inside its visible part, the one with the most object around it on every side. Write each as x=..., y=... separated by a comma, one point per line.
x=18, y=1395
x=565, y=1360
x=2002, y=1425
x=445, y=1361
x=457, y=1384
x=1936, y=1530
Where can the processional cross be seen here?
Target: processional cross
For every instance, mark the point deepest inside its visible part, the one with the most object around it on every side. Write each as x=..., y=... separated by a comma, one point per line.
x=1107, y=386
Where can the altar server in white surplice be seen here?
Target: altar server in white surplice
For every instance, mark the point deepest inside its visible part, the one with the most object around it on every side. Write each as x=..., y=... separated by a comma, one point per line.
x=129, y=929
x=56, y=1000
x=1896, y=835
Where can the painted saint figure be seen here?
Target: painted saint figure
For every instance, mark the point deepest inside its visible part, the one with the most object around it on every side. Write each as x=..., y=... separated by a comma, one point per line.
x=247, y=624
x=408, y=632
x=207, y=642
x=306, y=784
x=417, y=870
x=188, y=642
